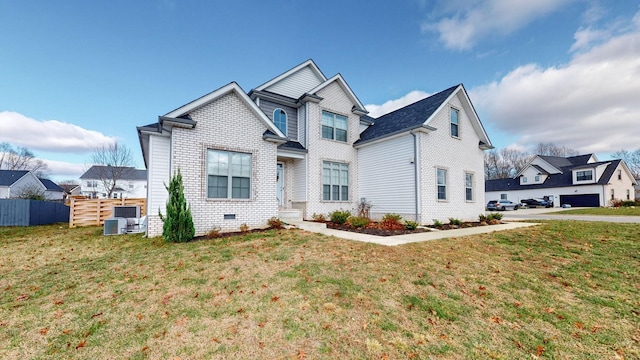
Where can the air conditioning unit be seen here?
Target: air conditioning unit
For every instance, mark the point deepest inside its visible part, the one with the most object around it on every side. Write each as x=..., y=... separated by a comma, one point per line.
x=115, y=226
x=126, y=211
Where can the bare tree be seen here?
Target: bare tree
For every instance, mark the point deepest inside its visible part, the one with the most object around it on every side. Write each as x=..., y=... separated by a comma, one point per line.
x=551, y=149
x=114, y=162
x=20, y=158
x=631, y=158
x=504, y=163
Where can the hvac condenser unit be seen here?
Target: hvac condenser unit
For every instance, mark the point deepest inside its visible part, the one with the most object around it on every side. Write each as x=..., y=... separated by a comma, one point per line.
x=115, y=226
x=126, y=211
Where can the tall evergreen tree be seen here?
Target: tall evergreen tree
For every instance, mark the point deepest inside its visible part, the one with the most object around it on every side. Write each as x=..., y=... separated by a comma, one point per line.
x=178, y=223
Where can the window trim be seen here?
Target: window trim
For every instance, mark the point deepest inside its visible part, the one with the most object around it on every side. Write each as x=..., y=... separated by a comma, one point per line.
x=445, y=185
x=333, y=127
x=286, y=120
x=456, y=124
x=584, y=173
x=229, y=176
x=470, y=188
x=343, y=189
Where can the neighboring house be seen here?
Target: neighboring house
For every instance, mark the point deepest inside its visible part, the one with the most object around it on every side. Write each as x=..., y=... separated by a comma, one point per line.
x=577, y=181
x=71, y=189
x=130, y=183
x=52, y=190
x=301, y=144
x=14, y=182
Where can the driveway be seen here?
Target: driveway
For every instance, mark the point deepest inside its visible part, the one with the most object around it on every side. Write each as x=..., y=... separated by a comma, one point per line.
x=550, y=214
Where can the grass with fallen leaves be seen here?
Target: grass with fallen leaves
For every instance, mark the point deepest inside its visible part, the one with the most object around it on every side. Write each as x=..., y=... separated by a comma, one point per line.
x=622, y=211
x=563, y=289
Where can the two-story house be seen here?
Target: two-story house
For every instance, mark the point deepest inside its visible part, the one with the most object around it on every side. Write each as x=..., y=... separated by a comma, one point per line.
x=302, y=144
x=127, y=182
x=577, y=181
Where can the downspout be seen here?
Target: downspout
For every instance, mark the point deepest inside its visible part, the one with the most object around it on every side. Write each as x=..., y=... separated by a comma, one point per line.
x=416, y=170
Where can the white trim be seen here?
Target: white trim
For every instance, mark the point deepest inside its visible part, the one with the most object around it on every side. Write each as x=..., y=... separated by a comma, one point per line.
x=343, y=84
x=231, y=87
x=312, y=65
x=290, y=154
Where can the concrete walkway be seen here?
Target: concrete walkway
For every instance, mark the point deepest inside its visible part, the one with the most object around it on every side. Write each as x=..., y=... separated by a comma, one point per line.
x=408, y=238
x=551, y=214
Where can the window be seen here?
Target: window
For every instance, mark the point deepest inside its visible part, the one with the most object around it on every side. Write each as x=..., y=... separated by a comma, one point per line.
x=130, y=186
x=280, y=120
x=524, y=179
x=455, y=124
x=442, y=184
x=229, y=175
x=537, y=178
x=335, y=181
x=613, y=194
x=619, y=174
x=628, y=195
x=503, y=196
x=584, y=175
x=334, y=126
x=468, y=186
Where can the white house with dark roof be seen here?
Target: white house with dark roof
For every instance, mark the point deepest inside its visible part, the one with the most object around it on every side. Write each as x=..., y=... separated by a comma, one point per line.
x=14, y=182
x=577, y=181
x=130, y=182
x=302, y=144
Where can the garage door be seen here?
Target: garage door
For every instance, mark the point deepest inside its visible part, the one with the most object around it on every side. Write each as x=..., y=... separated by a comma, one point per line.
x=586, y=200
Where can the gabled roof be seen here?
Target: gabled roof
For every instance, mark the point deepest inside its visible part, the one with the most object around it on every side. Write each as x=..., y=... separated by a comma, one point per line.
x=540, y=169
x=564, y=179
x=9, y=177
x=345, y=87
x=50, y=185
x=418, y=115
x=309, y=65
x=128, y=173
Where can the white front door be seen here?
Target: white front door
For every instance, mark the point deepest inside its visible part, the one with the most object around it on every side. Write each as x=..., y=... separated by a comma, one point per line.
x=280, y=184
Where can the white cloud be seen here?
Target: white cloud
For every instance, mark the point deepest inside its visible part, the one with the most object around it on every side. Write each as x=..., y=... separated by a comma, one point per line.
x=465, y=22
x=589, y=104
x=391, y=105
x=64, y=170
x=48, y=135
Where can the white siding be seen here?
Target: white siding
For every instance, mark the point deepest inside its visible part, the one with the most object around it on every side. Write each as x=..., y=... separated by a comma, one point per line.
x=27, y=181
x=158, y=174
x=300, y=180
x=296, y=84
x=386, y=176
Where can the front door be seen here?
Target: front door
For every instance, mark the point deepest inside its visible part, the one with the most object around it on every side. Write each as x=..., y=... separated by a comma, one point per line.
x=280, y=184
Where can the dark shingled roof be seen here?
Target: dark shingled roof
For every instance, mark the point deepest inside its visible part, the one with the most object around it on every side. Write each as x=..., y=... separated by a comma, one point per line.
x=555, y=180
x=8, y=177
x=129, y=173
x=293, y=145
x=406, y=118
x=51, y=186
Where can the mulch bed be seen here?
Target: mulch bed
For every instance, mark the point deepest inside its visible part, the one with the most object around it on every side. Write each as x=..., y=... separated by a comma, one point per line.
x=382, y=232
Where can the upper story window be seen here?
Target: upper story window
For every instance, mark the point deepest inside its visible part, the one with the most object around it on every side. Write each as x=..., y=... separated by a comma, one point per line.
x=442, y=184
x=524, y=179
x=280, y=120
x=537, y=178
x=584, y=175
x=619, y=174
x=228, y=175
x=455, y=122
x=334, y=127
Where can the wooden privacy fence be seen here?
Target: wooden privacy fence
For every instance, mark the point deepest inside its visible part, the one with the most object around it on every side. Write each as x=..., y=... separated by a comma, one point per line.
x=93, y=212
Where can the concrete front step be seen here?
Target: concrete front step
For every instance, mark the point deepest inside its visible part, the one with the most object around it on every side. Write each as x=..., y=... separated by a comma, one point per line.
x=288, y=215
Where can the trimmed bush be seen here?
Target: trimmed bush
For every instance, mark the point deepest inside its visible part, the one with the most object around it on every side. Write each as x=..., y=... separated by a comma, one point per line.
x=275, y=223
x=437, y=223
x=358, y=221
x=454, y=221
x=391, y=222
x=339, y=216
x=410, y=225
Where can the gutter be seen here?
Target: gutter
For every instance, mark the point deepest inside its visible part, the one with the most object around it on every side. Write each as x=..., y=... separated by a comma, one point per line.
x=416, y=168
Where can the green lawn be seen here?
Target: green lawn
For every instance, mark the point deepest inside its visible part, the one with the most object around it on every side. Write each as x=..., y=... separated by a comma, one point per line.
x=623, y=211
x=561, y=290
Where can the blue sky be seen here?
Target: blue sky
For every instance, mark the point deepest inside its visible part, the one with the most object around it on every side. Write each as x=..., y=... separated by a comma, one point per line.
x=75, y=74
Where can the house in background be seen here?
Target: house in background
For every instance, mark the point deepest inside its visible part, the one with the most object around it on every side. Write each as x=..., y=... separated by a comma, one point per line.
x=301, y=144
x=577, y=181
x=13, y=183
x=130, y=182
